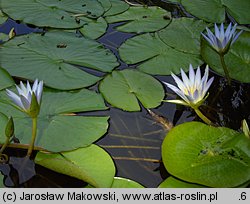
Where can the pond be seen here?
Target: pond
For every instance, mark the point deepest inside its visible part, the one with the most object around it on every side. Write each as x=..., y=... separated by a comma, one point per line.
x=138, y=45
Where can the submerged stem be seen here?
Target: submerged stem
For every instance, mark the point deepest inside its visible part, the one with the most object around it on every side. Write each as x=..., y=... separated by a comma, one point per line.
x=224, y=66
x=203, y=117
x=33, y=138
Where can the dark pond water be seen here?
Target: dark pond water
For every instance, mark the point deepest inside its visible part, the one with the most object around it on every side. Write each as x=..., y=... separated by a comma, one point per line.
x=133, y=139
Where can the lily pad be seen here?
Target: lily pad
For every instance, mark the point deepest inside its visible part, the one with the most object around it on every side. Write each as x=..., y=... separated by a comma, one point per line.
x=210, y=156
x=51, y=57
x=172, y=182
x=52, y=13
x=237, y=59
x=183, y=34
x=141, y=19
x=58, y=129
x=125, y=183
x=117, y=7
x=90, y=164
x=95, y=28
x=5, y=79
x=123, y=89
x=155, y=56
x=215, y=10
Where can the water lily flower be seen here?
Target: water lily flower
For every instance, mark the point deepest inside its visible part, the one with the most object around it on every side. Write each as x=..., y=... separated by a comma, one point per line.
x=222, y=40
x=28, y=99
x=193, y=89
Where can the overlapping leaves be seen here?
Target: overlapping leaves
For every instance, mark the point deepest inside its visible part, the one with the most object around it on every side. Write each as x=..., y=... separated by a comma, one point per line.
x=162, y=53
x=51, y=57
x=58, y=129
x=216, y=10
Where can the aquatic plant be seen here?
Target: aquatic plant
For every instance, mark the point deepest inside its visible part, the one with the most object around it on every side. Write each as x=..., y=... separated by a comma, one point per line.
x=192, y=90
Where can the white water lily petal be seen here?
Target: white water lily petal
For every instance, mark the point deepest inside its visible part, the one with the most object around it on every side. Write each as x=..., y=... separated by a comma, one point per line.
x=15, y=98
x=25, y=102
x=222, y=40
x=179, y=83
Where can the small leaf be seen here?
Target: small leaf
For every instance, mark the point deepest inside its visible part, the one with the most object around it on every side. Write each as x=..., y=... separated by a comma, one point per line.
x=123, y=89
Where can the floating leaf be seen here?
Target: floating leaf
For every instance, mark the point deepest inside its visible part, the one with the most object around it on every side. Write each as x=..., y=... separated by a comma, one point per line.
x=172, y=182
x=116, y=8
x=90, y=164
x=5, y=79
x=58, y=129
x=125, y=183
x=237, y=59
x=210, y=156
x=155, y=56
x=142, y=19
x=95, y=28
x=123, y=89
x=52, y=13
x=183, y=34
x=215, y=10
x=51, y=58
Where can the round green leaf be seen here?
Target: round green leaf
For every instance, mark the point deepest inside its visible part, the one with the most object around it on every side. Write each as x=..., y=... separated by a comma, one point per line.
x=116, y=8
x=51, y=57
x=90, y=164
x=123, y=89
x=58, y=129
x=183, y=34
x=237, y=59
x=172, y=182
x=155, y=56
x=125, y=183
x=210, y=156
x=52, y=13
x=214, y=10
x=95, y=28
x=142, y=19
x=5, y=79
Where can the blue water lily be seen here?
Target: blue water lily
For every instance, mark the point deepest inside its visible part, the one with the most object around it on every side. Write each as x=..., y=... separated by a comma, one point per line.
x=24, y=97
x=222, y=39
x=193, y=89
